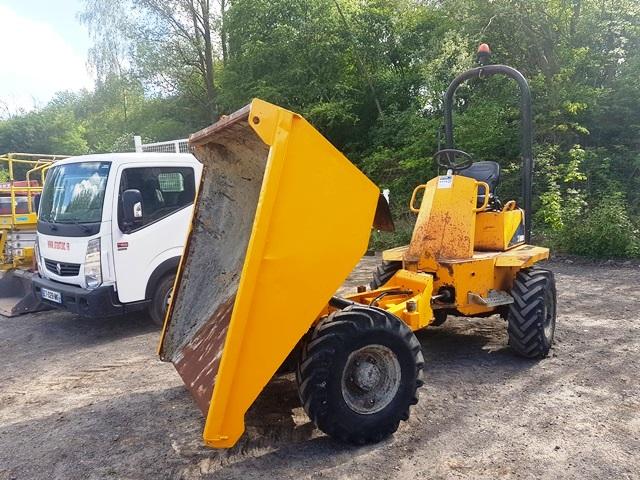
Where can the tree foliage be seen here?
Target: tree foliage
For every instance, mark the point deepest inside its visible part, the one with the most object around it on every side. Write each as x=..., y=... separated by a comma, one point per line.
x=370, y=74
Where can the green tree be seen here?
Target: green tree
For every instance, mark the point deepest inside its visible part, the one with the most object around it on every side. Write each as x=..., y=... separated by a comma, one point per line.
x=371, y=74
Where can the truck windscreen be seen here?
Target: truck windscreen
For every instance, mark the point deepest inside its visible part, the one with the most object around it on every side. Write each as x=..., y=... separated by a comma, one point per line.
x=74, y=193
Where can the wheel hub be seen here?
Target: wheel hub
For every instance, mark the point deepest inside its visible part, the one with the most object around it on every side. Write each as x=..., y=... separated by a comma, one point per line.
x=371, y=379
x=367, y=375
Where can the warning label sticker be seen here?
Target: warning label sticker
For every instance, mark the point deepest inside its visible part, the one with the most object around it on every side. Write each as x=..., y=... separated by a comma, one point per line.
x=445, y=181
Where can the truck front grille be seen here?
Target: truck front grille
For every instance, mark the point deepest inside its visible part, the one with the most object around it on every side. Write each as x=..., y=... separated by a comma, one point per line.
x=62, y=269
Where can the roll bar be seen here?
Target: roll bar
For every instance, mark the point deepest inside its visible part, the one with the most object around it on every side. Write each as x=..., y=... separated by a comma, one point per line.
x=526, y=126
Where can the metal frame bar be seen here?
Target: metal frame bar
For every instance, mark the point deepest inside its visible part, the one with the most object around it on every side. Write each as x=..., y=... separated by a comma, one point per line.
x=526, y=118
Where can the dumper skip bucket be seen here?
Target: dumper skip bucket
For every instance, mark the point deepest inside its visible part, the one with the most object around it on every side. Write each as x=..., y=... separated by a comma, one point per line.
x=281, y=219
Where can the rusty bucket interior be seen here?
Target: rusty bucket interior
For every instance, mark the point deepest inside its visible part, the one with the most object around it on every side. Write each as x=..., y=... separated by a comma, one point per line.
x=281, y=219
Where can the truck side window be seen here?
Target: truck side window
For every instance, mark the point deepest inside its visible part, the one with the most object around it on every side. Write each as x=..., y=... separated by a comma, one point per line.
x=164, y=190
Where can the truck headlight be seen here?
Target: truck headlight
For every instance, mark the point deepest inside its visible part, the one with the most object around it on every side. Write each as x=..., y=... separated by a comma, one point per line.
x=36, y=253
x=92, y=265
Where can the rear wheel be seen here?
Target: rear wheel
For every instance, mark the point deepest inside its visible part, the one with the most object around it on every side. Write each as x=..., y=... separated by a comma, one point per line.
x=439, y=317
x=532, y=315
x=359, y=373
x=384, y=272
x=161, y=299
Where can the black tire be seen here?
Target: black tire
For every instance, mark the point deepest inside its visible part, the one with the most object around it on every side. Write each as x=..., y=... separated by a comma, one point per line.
x=532, y=315
x=326, y=382
x=384, y=272
x=440, y=316
x=160, y=300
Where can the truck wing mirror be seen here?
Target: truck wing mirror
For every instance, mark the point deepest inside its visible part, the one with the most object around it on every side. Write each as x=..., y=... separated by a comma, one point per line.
x=131, y=209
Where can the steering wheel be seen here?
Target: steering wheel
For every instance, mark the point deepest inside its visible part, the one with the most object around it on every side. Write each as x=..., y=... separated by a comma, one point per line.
x=446, y=158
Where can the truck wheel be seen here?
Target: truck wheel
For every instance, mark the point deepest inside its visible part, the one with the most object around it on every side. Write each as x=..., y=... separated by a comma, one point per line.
x=532, y=315
x=384, y=272
x=359, y=373
x=160, y=300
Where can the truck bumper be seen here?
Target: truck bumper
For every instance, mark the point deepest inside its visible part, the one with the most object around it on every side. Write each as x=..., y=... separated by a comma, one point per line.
x=100, y=302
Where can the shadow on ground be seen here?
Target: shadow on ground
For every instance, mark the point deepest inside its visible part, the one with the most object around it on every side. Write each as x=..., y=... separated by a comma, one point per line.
x=278, y=434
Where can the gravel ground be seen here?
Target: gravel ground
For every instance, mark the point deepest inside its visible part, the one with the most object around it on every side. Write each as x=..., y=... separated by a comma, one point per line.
x=88, y=399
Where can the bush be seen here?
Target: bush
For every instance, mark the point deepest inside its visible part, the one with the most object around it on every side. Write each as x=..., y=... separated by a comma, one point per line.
x=605, y=231
x=402, y=236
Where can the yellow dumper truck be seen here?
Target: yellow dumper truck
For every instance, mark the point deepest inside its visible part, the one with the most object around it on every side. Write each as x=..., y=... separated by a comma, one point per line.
x=281, y=219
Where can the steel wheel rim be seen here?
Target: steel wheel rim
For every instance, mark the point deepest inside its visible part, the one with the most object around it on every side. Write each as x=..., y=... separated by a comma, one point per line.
x=370, y=379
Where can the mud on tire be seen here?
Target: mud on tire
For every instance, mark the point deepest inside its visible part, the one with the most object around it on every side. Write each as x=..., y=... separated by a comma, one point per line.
x=359, y=373
x=532, y=315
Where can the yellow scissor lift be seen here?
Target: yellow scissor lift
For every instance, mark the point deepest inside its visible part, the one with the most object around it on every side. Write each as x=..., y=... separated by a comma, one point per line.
x=18, y=222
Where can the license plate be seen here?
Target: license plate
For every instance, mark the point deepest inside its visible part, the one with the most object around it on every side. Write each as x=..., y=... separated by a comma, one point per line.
x=51, y=295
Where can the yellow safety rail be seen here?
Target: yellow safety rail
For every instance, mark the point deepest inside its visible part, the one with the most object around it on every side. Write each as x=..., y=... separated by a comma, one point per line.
x=39, y=163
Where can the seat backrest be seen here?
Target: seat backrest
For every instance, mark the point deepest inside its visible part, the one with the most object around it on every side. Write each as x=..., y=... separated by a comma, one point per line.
x=488, y=172
x=150, y=190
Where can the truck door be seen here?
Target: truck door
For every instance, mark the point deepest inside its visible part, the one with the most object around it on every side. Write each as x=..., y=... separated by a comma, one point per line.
x=167, y=199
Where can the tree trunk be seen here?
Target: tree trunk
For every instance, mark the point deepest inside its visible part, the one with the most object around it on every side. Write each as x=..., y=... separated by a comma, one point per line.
x=203, y=41
x=208, y=59
x=575, y=17
x=223, y=31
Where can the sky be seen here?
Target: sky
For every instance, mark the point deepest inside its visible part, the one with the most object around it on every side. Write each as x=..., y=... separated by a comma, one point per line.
x=43, y=50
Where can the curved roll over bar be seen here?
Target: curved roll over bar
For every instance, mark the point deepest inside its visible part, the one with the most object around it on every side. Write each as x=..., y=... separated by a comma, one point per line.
x=526, y=126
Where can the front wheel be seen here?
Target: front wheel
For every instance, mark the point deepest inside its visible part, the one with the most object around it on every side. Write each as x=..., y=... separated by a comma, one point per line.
x=359, y=373
x=532, y=315
x=161, y=299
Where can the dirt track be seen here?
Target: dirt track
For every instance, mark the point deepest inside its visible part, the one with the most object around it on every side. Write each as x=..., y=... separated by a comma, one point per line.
x=88, y=399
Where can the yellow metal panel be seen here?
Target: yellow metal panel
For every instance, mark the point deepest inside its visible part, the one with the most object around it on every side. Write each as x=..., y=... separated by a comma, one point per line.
x=312, y=199
x=312, y=224
x=29, y=219
x=522, y=257
x=394, y=254
x=421, y=287
x=495, y=230
x=485, y=271
x=472, y=275
x=445, y=226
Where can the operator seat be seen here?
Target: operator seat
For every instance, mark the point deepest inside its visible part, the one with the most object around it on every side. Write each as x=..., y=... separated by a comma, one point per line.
x=152, y=199
x=488, y=172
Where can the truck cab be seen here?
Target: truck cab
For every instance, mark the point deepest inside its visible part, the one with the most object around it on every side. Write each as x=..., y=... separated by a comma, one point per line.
x=111, y=231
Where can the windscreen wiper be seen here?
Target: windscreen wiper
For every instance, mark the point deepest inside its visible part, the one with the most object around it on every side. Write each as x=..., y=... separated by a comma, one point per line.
x=52, y=226
x=84, y=228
